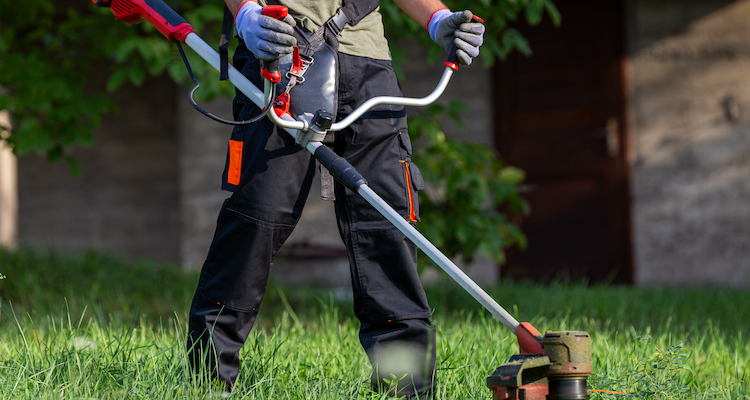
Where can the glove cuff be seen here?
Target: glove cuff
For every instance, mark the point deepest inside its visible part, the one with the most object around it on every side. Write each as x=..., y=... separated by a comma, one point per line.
x=245, y=8
x=435, y=20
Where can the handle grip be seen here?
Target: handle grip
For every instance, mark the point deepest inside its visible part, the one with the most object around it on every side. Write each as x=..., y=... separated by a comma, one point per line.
x=270, y=69
x=453, y=62
x=156, y=12
x=278, y=12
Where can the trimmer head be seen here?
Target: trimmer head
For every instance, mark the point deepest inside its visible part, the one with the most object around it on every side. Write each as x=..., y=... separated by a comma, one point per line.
x=558, y=372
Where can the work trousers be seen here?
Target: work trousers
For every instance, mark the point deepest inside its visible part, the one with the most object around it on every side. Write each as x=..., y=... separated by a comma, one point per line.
x=270, y=177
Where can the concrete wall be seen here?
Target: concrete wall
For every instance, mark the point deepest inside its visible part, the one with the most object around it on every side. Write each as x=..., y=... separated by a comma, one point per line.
x=126, y=199
x=202, y=151
x=691, y=109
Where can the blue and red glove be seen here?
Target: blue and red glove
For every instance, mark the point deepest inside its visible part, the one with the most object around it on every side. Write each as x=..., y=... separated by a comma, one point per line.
x=449, y=28
x=267, y=38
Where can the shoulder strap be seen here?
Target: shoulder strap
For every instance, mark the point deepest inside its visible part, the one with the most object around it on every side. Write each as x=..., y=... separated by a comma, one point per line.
x=226, y=33
x=357, y=10
x=351, y=12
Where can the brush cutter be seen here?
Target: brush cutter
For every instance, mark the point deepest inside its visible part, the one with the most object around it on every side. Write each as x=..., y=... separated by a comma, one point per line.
x=553, y=366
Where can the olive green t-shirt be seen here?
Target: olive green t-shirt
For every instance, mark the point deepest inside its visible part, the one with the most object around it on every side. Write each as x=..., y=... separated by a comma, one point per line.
x=366, y=39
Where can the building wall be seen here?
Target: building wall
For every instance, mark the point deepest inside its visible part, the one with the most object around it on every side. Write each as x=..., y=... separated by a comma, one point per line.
x=691, y=114
x=125, y=200
x=202, y=151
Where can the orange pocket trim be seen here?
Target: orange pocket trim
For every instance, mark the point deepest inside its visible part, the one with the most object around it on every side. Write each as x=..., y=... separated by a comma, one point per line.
x=412, y=214
x=235, y=162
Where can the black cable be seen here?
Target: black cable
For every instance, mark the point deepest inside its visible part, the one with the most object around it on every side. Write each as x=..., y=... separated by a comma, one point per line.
x=208, y=114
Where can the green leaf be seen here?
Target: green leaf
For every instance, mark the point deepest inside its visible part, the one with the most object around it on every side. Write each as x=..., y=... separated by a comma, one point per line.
x=513, y=39
x=54, y=154
x=491, y=252
x=553, y=12
x=512, y=175
x=534, y=11
x=136, y=74
x=463, y=233
x=117, y=79
x=126, y=48
x=73, y=166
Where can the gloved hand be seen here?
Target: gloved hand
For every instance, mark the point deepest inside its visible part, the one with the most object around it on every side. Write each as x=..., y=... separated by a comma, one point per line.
x=447, y=28
x=267, y=38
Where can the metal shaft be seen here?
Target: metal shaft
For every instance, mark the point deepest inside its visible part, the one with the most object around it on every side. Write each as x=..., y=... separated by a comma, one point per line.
x=439, y=258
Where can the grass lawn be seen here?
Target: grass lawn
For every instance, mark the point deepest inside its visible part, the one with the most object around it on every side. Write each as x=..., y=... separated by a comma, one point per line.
x=93, y=327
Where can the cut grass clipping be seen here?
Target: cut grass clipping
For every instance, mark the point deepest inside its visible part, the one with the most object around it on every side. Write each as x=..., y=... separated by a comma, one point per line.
x=94, y=327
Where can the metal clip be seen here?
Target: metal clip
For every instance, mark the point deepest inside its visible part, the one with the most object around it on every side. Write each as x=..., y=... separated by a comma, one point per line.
x=306, y=63
x=295, y=78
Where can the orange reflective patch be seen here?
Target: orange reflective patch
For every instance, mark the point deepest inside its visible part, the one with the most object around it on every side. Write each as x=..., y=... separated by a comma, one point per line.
x=235, y=162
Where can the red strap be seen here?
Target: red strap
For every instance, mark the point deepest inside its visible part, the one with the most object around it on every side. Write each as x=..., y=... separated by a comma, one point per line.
x=297, y=62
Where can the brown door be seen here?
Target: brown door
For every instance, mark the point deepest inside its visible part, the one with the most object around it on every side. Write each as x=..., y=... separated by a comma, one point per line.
x=560, y=115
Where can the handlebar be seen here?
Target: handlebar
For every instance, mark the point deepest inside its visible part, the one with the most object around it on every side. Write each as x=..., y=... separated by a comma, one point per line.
x=270, y=70
x=452, y=62
x=369, y=104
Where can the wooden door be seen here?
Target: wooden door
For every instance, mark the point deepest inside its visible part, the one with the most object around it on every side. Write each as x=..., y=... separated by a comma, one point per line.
x=560, y=115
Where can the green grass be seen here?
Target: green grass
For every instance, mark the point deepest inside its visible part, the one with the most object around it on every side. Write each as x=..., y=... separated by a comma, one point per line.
x=93, y=327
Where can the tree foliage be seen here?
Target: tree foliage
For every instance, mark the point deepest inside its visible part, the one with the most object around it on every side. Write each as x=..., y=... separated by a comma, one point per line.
x=60, y=59
x=469, y=191
x=500, y=38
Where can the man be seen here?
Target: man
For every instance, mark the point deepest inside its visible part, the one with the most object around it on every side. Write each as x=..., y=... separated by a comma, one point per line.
x=270, y=177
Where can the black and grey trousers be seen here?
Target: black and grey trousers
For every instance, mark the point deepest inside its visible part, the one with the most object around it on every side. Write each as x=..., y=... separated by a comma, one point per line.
x=270, y=177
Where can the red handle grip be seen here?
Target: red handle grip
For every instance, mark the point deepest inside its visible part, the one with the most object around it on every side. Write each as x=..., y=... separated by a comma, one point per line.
x=156, y=12
x=270, y=69
x=452, y=62
x=277, y=12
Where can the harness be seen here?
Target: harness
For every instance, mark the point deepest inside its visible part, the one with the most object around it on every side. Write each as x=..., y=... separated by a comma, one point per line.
x=351, y=12
x=315, y=61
